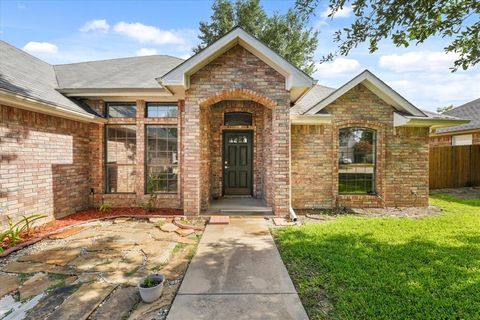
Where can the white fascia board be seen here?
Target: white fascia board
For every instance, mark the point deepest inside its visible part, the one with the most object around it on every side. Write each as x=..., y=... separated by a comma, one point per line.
x=180, y=75
x=409, y=121
x=298, y=119
x=377, y=86
x=26, y=103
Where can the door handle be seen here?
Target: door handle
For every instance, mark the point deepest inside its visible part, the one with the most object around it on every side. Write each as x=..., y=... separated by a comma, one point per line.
x=226, y=167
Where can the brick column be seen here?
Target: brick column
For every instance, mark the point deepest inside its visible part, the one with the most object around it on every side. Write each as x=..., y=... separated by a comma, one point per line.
x=281, y=158
x=191, y=158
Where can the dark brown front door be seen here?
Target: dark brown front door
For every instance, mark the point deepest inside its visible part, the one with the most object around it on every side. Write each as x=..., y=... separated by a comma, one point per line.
x=237, y=162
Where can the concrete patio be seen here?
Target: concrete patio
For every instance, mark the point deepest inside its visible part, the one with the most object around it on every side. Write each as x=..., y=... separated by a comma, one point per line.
x=239, y=206
x=237, y=273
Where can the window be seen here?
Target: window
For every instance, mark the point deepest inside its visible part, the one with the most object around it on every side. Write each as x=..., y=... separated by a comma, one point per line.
x=237, y=119
x=356, y=161
x=161, y=159
x=120, y=158
x=161, y=110
x=121, y=109
x=462, y=140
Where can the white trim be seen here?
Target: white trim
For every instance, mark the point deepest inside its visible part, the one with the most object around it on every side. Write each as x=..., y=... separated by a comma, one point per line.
x=22, y=102
x=180, y=75
x=377, y=86
x=400, y=120
x=296, y=119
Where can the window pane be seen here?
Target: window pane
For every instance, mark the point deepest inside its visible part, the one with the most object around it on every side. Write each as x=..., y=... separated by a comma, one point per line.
x=121, y=110
x=157, y=110
x=356, y=161
x=238, y=119
x=161, y=159
x=121, y=150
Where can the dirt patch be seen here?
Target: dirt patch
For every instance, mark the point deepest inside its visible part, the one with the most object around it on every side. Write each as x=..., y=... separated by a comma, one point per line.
x=462, y=193
x=107, y=254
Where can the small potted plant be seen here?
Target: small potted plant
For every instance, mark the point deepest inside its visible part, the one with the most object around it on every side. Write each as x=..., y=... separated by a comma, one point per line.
x=151, y=287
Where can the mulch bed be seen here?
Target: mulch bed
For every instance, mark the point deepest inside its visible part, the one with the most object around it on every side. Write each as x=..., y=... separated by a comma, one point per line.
x=58, y=225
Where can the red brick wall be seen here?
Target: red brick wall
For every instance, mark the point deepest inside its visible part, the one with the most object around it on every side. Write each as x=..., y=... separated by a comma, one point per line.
x=446, y=140
x=237, y=74
x=44, y=166
x=401, y=157
x=216, y=128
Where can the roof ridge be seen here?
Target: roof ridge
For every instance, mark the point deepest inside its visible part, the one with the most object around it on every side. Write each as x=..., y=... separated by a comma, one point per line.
x=122, y=58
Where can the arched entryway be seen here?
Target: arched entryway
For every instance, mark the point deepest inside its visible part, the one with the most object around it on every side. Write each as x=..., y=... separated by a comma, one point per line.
x=236, y=154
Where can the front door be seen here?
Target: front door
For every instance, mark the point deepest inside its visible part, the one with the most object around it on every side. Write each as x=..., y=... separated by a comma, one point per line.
x=237, y=162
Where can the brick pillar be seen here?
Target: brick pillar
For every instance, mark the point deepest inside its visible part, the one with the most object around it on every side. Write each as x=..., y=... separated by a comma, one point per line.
x=140, y=156
x=191, y=158
x=281, y=158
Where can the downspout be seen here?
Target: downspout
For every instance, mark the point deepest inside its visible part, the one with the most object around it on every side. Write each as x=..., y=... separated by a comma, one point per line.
x=293, y=215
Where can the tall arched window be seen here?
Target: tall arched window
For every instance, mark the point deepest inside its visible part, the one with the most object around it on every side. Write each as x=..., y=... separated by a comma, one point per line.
x=356, y=158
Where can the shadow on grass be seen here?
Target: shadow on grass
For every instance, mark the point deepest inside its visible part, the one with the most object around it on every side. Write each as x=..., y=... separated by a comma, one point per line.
x=369, y=279
x=450, y=198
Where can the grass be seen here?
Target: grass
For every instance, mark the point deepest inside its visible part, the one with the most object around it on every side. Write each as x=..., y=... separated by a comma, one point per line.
x=389, y=268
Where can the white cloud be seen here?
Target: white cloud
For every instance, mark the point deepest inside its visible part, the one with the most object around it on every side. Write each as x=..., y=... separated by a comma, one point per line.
x=345, y=12
x=418, y=61
x=148, y=34
x=99, y=25
x=146, y=52
x=40, y=47
x=339, y=67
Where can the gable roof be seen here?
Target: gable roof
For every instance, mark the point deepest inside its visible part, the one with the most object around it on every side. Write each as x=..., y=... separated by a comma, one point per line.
x=180, y=75
x=469, y=110
x=131, y=73
x=377, y=86
x=24, y=77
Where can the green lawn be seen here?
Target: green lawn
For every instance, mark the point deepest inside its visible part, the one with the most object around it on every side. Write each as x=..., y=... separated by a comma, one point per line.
x=389, y=268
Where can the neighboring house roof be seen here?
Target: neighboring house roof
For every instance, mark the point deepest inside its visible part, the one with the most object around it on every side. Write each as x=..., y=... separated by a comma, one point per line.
x=469, y=110
x=377, y=86
x=296, y=81
x=22, y=75
x=311, y=98
x=123, y=73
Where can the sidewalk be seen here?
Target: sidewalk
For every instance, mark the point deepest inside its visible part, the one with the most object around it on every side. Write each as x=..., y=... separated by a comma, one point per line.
x=237, y=273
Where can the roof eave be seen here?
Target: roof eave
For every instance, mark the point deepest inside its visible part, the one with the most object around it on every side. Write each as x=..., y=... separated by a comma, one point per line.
x=299, y=119
x=179, y=76
x=409, y=121
x=31, y=104
x=374, y=84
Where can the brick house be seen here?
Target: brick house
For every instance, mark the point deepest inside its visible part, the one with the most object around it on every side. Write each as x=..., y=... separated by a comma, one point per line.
x=465, y=134
x=234, y=120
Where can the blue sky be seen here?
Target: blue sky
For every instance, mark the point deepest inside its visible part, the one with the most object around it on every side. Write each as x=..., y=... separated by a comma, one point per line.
x=73, y=31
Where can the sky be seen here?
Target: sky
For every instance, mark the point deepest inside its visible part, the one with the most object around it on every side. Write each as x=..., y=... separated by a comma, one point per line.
x=73, y=31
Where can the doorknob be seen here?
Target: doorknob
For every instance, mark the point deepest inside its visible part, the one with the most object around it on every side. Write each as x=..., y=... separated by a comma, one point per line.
x=226, y=167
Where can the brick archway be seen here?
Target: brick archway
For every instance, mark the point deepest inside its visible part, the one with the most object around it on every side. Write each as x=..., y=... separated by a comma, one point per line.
x=238, y=94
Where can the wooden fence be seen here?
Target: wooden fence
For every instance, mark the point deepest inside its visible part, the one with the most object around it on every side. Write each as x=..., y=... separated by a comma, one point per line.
x=454, y=167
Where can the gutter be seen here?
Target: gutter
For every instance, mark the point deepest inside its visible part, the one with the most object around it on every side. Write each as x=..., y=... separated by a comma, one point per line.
x=293, y=215
x=297, y=119
x=19, y=101
x=409, y=121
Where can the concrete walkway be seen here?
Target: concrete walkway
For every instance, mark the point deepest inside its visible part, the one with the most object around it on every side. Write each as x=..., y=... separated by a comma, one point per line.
x=237, y=273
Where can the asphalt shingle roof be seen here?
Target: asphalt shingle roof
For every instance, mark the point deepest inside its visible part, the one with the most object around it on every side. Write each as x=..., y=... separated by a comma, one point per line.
x=135, y=72
x=470, y=111
x=25, y=75
x=311, y=98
